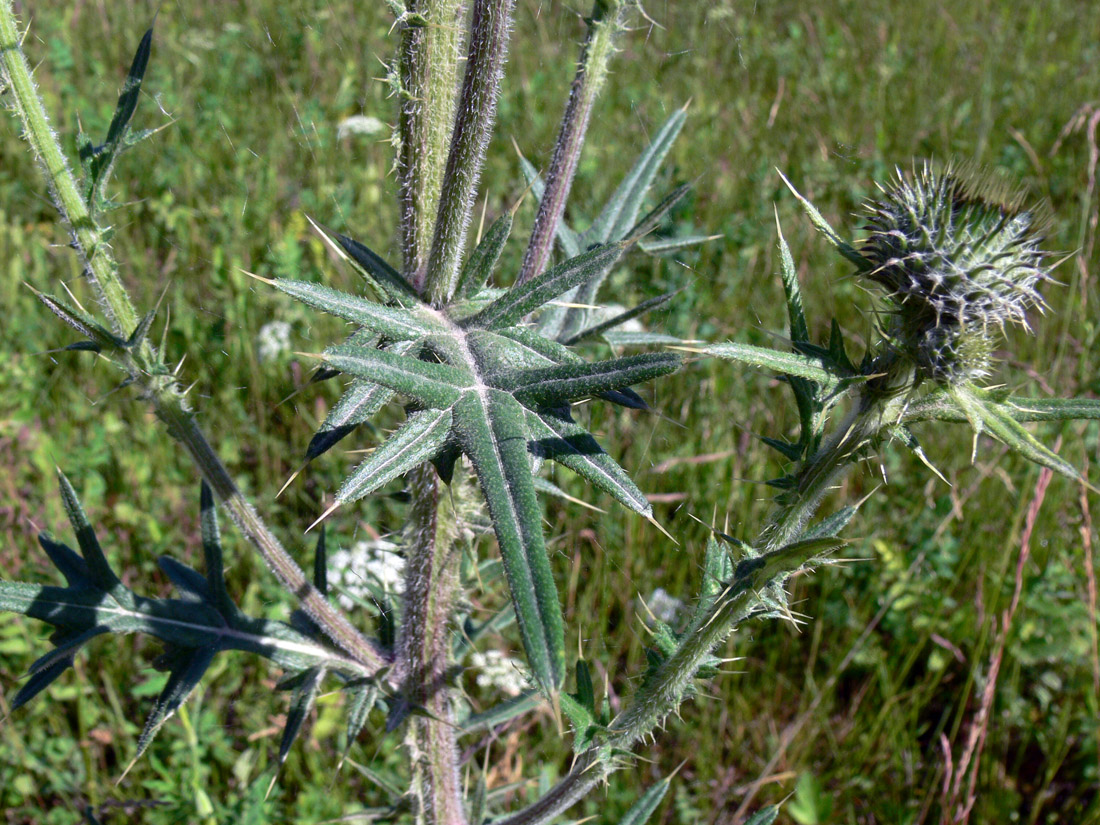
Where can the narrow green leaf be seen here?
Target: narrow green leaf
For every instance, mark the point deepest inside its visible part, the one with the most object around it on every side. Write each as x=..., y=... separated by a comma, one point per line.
x=570, y=445
x=376, y=271
x=621, y=318
x=805, y=394
x=99, y=571
x=420, y=438
x=939, y=407
x=624, y=338
x=647, y=803
x=503, y=712
x=490, y=426
x=320, y=563
x=301, y=703
x=553, y=386
x=525, y=298
x=479, y=266
x=137, y=337
x=359, y=403
x=213, y=559
x=393, y=323
x=586, y=693
x=362, y=694
x=433, y=385
x=622, y=209
x=658, y=213
x=999, y=423
x=185, y=667
x=822, y=226
x=666, y=246
x=830, y=526
x=765, y=816
x=82, y=323
x=786, y=363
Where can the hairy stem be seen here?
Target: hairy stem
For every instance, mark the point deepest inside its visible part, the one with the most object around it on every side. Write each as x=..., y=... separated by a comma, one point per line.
x=424, y=646
x=607, y=19
x=144, y=365
x=490, y=27
x=100, y=267
x=427, y=74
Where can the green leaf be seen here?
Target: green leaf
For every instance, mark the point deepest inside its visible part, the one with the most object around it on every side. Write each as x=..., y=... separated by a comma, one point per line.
x=98, y=161
x=786, y=363
x=390, y=322
x=523, y=299
x=362, y=695
x=360, y=401
x=621, y=211
x=559, y=438
x=419, y=439
x=621, y=318
x=998, y=422
x=658, y=213
x=805, y=393
x=666, y=246
x=647, y=803
x=301, y=702
x=765, y=816
x=552, y=386
x=433, y=385
x=479, y=266
x=939, y=407
x=490, y=426
x=502, y=712
x=822, y=226
x=185, y=667
x=830, y=526
x=376, y=271
x=82, y=323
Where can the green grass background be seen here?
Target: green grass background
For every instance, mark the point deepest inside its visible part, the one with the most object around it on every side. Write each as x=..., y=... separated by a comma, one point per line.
x=851, y=712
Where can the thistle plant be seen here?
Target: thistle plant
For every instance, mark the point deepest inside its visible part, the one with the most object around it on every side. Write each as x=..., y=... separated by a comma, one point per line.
x=488, y=367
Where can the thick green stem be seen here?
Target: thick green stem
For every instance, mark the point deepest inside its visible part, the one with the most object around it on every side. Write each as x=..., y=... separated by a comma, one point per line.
x=424, y=647
x=427, y=74
x=608, y=18
x=490, y=27
x=144, y=366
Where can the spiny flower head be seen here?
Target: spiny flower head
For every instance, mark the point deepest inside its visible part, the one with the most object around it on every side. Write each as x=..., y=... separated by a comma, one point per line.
x=958, y=255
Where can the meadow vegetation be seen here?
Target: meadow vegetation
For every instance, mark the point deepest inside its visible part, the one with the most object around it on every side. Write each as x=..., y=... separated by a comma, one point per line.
x=862, y=713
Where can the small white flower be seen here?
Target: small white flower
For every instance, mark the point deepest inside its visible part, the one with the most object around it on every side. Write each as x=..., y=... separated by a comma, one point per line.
x=663, y=606
x=359, y=125
x=367, y=563
x=499, y=671
x=274, y=338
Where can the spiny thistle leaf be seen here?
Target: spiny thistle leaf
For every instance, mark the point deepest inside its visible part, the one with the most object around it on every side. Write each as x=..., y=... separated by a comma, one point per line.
x=375, y=271
x=525, y=298
x=794, y=364
x=479, y=266
x=306, y=688
x=620, y=319
x=392, y=323
x=647, y=803
x=102, y=338
x=621, y=211
x=558, y=437
x=433, y=385
x=99, y=161
x=939, y=407
x=765, y=816
x=194, y=628
x=490, y=426
x=475, y=373
x=418, y=440
x=359, y=403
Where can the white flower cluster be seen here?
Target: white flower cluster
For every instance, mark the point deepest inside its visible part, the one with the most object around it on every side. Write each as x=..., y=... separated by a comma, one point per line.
x=274, y=338
x=495, y=669
x=367, y=564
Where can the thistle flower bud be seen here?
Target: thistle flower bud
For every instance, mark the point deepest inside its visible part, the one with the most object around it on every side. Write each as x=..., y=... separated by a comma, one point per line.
x=959, y=257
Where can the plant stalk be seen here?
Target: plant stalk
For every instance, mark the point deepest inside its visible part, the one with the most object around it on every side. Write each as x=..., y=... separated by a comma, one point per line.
x=424, y=646
x=427, y=74
x=490, y=27
x=145, y=367
x=607, y=19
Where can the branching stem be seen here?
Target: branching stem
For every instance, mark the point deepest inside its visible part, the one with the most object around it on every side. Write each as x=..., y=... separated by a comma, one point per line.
x=144, y=366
